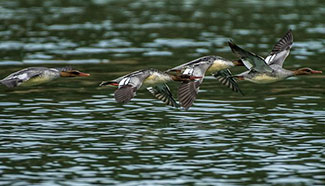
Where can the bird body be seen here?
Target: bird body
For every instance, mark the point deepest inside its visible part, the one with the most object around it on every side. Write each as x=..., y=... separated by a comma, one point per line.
x=156, y=78
x=270, y=69
x=277, y=74
x=208, y=64
x=152, y=79
x=188, y=90
x=38, y=75
x=44, y=77
x=261, y=78
x=220, y=64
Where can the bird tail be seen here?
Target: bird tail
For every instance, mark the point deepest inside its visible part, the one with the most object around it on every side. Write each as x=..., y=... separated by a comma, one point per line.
x=10, y=83
x=108, y=83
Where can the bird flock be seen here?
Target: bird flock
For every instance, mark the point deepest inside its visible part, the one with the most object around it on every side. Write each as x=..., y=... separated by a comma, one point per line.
x=190, y=75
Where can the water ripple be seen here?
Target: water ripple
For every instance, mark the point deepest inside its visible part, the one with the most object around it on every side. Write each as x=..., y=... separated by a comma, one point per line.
x=68, y=132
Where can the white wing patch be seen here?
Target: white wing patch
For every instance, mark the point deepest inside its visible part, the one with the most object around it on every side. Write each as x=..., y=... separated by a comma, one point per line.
x=270, y=58
x=22, y=76
x=124, y=82
x=188, y=71
x=247, y=64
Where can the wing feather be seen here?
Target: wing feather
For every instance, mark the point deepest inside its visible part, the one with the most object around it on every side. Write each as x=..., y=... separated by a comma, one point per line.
x=226, y=78
x=187, y=93
x=280, y=50
x=162, y=92
x=256, y=62
x=124, y=94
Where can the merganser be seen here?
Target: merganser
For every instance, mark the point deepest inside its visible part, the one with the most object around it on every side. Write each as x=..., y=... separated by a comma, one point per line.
x=188, y=90
x=153, y=79
x=270, y=69
x=38, y=75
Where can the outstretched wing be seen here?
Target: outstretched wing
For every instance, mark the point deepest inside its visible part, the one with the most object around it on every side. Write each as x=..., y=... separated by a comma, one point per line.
x=250, y=60
x=162, y=92
x=124, y=94
x=226, y=78
x=127, y=85
x=280, y=50
x=187, y=93
x=188, y=90
x=127, y=88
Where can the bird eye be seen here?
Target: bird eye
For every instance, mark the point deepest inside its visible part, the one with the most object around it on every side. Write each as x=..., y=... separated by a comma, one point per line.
x=308, y=70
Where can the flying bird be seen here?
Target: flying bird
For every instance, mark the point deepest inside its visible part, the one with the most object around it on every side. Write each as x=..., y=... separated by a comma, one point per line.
x=153, y=79
x=270, y=69
x=188, y=90
x=38, y=75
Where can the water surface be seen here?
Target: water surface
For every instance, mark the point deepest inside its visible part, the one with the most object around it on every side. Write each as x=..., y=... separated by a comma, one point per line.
x=71, y=132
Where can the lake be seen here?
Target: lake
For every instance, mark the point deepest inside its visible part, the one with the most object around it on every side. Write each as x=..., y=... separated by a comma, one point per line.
x=71, y=132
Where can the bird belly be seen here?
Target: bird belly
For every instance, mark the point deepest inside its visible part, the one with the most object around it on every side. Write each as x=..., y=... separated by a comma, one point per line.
x=36, y=81
x=263, y=79
x=217, y=66
x=155, y=79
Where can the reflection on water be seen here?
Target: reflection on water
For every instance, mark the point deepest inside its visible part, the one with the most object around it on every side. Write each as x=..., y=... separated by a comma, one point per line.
x=71, y=132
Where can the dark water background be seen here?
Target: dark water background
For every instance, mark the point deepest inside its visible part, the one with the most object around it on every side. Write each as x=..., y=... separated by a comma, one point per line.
x=70, y=132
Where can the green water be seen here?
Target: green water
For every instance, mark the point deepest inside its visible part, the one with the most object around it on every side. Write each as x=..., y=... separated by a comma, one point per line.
x=71, y=132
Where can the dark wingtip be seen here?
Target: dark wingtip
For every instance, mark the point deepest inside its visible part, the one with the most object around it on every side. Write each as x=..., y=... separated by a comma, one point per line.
x=235, y=49
x=232, y=45
x=290, y=32
x=226, y=78
x=241, y=92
